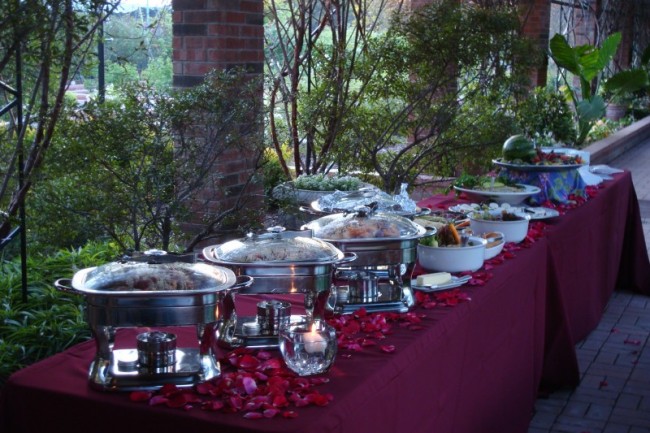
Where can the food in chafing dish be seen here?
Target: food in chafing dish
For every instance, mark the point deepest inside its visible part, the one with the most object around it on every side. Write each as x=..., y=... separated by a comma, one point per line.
x=361, y=229
x=135, y=279
x=273, y=249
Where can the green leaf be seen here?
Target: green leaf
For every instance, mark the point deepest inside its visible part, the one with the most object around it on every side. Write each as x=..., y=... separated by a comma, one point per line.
x=590, y=110
x=608, y=49
x=591, y=64
x=564, y=55
x=626, y=81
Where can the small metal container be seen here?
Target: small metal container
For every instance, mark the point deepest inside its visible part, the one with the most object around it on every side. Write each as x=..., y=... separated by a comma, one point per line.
x=272, y=316
x=156, y=350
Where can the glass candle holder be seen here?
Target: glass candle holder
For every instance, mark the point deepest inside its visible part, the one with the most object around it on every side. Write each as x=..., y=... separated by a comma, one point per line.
x=308, y=347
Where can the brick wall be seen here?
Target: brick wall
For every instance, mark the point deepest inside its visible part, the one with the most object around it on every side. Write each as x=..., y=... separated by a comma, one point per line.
x=218, y=34
x=536, y=17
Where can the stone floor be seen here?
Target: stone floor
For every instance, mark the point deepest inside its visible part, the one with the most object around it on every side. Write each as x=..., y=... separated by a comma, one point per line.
x=614, y=393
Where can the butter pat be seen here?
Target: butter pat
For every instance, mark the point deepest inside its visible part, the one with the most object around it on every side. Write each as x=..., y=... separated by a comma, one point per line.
x=433, y=279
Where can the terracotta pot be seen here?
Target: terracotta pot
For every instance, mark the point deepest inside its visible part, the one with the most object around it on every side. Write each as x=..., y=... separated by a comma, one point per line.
x=616, y=111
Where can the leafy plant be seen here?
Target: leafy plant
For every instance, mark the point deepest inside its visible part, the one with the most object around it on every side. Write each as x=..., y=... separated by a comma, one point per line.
x=271, y=172
x=546, y=117
x=438, y=88
x=585, y=62
x=605, y=127
x=626, y=84
x=50, y=321
x=54, y=38
x=130, y=168
x=313, y=48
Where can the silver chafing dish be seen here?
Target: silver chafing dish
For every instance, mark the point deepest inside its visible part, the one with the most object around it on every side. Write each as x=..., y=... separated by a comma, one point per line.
x=280, y=262
x=386, y=248
x=153, y=293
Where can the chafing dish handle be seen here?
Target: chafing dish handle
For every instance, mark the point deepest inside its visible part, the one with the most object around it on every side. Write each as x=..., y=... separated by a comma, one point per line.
x=65, y=285
x=310, y=211
x=348, y=257
x=243, y=281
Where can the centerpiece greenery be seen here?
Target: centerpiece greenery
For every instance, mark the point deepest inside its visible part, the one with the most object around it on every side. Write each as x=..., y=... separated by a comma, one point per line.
x=323, y=182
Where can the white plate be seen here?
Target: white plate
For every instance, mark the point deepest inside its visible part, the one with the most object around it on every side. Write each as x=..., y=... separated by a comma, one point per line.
x=604, y=169
x=466, y=208
x=455, y=282
x=535, y=213
x=512, y=198
x=540, y=213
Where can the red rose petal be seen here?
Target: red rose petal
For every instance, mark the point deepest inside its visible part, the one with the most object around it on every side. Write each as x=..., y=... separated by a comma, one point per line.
x=158, y=399
x=213, y=405
x=248, y=362
x=250, y=386
x=270, y=413
x=140, y=396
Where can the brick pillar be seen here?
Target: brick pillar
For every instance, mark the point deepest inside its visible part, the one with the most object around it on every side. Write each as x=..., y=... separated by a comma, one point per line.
x=624, y=25
x=219, y=34
x=585, y=23
x=536, y=17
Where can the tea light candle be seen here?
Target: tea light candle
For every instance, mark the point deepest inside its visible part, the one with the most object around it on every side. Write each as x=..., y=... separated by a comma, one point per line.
x=314, y=343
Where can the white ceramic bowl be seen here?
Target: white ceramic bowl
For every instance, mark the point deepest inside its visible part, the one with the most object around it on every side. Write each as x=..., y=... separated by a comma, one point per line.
x=453, y=259
x=495, y=243
x=513, y=231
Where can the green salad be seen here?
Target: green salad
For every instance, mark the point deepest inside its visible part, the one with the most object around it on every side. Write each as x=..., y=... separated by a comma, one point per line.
x=324, y=182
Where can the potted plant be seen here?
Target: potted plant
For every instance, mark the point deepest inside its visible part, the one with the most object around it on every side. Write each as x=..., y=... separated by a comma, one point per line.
x=617, y=107
x=624, y=86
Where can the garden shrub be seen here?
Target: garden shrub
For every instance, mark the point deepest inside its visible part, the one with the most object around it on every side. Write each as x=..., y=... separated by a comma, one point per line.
x=49, y=321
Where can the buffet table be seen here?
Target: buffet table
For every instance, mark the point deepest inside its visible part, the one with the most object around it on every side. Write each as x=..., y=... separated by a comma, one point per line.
x=474, y=366
x=592, y=250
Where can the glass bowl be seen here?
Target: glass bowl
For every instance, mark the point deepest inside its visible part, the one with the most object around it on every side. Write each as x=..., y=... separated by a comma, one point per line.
x=308, y=347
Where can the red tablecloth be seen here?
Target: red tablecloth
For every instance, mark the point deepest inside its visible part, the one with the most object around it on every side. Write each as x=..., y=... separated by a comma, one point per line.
x=592, y=250
x=473, y=367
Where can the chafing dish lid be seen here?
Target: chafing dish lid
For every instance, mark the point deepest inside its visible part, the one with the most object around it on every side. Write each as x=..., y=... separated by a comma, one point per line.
x=138, y=277
x=275, y=246
x=364, y=223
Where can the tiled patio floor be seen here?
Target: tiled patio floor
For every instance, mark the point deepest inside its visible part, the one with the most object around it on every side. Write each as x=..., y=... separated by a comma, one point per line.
x=614, y=393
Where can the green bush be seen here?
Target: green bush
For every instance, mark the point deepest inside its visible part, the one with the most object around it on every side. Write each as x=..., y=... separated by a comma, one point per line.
x=133, y=168
x=272, y=173
x=546, y=117
x=49, y=321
